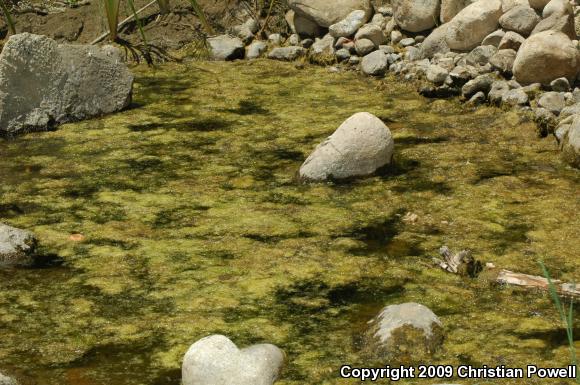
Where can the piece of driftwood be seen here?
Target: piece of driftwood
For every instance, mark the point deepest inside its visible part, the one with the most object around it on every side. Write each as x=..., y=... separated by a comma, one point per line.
x=533, y=281
x=121, y=24
x=464, y=264
x=461, y=263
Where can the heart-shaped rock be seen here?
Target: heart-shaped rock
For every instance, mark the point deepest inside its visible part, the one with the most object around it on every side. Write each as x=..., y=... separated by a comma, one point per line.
x=215, y=360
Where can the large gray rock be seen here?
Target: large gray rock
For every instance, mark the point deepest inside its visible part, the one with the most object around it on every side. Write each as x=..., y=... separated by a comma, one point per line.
x=521, y=19
x=435, y=43
x=325, y=13
x=322, y=50
x=480, y=55
x=436, y=74
x=481, y=83
x=409, y=331
x=372, y=32
x=303, y=26
x=215, y=360
x=416, y=15
x=503, y=60
x=349, y=25
x=43, y=83
x=470, y=26
x=516, y=97
x=570, y=143
x=552, y=101
x=493, y=38
x=375, y=63
x=256, y=49
x=546, y=56
x=450, y=8
x=364, y=46
x=558, y=16
x=511, y=40
x=17, y=247
x=361, y=146
x=287, y=53
x=5, y=380
x=226, y=47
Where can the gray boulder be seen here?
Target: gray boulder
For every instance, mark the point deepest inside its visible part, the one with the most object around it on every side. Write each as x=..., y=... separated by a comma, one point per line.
x=552, y=101
x=498, y=89
x=375, y=63
x=326, y=13
x=481, y=83
x=470, y=26
x=323, y=49
x=416, y=15
x=570, y=143
x=436, y=74
x=493, y=38
x=450, y=8
x=480, y=55
x=516, y=97
x=546, y=56
x=17, y=247
x=44, y=84
x=226, y=47
x=348, y=26
x=372, y=32
x=407, y=42
x=568, y=111
x=247, y=30
x=275, y=39
x=560, y=85
x=364, y=46
x=303, y=26
x=503, y=60
x=435, y=43
x=256, y=49
x=409, y=331
x=521, y=19
x=511, y=40
x=558, y=16
x=361, y=146
x=287, y=53
x=342, y=54
x=215, y=360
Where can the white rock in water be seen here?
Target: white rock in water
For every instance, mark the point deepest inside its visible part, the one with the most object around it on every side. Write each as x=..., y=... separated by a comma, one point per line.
x=43, y=83
x=16, y=246
x=215, y=360
x=359, y=147
x=349, y=25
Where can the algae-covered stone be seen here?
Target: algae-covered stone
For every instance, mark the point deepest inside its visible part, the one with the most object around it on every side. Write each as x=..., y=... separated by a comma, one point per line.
x=404, y=332
x=5, y=380
x=287, y=53
x=16, y=246
x=44, y=84
x=215, y=360
x=359, y=147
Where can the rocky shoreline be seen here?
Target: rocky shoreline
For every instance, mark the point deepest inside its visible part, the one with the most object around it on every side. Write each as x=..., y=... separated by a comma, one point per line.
x=509, y=53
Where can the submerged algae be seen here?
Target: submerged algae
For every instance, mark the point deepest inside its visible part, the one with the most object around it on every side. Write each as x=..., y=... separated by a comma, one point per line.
x=194, y=224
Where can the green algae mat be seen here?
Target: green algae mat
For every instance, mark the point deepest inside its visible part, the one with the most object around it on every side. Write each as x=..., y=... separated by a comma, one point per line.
x=181, y=217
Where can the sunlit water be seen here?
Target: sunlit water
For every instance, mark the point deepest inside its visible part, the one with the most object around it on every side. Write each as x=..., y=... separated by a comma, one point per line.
x=194, y=224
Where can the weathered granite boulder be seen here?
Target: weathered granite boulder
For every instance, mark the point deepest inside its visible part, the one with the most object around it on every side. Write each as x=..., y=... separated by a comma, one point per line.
x=494, y=38
x=470, y=26
x=44, y=84
x=256, y=49
x=17, y=247
x=322, y=51
x=348, y=26
x=406, y=332
x=372, y=32
x=287, y=53
x=503, y=60
x=435, y=43
x=215, y=360
x=226, y=47
x=552, y=101
x=558, y=16
x=375, y=63
x=521, y=19
x=361, y=146
x=511, y=40
x=326, y=13
x=416, y=15
x=570, y=143
x=303, y=26
x=450, y=8
x=546, y=56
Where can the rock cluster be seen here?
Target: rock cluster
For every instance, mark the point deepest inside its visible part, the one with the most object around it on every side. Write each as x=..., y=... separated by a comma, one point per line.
x=502, y=52
x=43, y=83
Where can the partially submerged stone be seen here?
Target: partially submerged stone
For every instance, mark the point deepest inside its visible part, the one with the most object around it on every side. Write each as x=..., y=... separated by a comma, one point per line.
x=361, y=146
x=16, y=247
x=215, y=360
x=405, y=332
x=225, y=47
x=570, y=143
x=44, y=84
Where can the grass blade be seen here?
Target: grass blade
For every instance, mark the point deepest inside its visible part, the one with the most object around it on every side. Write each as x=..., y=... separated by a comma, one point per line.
x=201, y=15
x=112, y=13
x=8, y=17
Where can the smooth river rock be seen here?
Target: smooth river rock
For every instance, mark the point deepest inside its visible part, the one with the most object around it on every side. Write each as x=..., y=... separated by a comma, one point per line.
x=408, y=331
x=348, y=26
x=215, y=360
x=570, y=143
x=470, y=26
x=361, y=146
x=326, y=13
x=226, y=47
x=546, y=56
x=16, y=246
x=416, y=15
x=44, y=84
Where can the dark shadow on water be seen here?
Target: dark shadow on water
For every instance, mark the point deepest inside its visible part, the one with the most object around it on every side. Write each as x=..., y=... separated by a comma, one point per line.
x=203, y=125
x=287, y=154
x=415, y=140
x=248, y=107
x=554, y=338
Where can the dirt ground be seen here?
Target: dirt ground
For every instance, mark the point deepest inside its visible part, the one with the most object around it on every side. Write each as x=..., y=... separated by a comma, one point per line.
x=86, y=21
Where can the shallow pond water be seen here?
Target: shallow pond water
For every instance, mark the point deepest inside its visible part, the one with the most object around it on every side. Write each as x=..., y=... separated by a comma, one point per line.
x=192, y=223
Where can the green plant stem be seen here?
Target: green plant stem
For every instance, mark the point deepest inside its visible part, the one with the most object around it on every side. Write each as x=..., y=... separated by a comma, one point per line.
x=8, y=17
x=201, y=15
x=567, y=319
x=112, y=13
x=267, y=17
